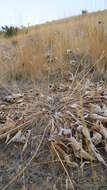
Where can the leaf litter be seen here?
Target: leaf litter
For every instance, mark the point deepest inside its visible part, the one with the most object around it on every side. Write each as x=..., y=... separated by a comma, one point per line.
x=77, y=121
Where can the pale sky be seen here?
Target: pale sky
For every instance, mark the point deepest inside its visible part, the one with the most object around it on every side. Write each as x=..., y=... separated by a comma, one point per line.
x=22, y=12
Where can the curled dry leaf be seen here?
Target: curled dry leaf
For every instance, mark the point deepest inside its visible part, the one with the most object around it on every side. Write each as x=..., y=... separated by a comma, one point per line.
x=97, y=138
x=78, y=150
x=98, y=117
x=95, y=108
x=19, y=137
x=91, y=146
x=64, y=132
x=12, y=98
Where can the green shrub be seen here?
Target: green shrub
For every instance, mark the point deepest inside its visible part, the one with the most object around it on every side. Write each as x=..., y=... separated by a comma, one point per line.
x=84, y=12
x=9, y=31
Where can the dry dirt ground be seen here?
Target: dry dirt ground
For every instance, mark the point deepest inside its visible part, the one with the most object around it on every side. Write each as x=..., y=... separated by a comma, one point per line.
x=42, y=172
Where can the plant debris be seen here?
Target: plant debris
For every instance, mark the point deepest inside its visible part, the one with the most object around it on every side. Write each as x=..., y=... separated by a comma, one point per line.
x=77, y=120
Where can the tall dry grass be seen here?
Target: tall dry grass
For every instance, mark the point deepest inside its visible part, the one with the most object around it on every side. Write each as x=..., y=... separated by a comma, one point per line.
x=42, y=50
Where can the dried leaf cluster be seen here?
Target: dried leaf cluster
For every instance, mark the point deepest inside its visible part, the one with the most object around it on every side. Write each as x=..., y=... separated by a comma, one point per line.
x=76, y=119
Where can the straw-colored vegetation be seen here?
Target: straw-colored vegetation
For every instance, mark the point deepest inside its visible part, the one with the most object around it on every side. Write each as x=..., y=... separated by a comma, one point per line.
x=39, y=50
x=65, y=123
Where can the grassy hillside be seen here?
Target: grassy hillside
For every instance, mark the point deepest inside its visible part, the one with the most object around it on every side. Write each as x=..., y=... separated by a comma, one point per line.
x=43, y=49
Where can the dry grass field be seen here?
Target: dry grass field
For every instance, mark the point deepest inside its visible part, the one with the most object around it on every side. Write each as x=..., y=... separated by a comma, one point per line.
x=42, y=49
x=53, y=105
